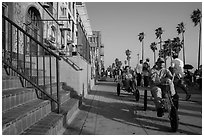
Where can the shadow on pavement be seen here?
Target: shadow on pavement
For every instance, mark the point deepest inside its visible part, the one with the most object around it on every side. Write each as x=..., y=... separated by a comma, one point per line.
x=116, y=112
x=129, y=97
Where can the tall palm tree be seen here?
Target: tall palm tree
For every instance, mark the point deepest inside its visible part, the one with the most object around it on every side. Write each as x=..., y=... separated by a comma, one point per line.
x=153, y=48
x=128, y=52
x=196, y=18
x=181, y=30
x=141, y=38
x=116, y=62
x=158, y=33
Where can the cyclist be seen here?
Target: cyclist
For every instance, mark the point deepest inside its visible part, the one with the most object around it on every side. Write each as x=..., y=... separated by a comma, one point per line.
x=127, y=81
x=158, y=76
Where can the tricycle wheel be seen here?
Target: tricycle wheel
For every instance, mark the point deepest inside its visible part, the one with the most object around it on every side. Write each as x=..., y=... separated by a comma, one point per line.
x=118, y=89
x=137, y=95
x=174, y=120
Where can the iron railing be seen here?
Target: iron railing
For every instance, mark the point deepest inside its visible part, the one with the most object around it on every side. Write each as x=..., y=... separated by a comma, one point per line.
x=27, y=64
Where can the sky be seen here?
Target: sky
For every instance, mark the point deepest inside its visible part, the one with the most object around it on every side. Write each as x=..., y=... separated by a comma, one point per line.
x=121, y=22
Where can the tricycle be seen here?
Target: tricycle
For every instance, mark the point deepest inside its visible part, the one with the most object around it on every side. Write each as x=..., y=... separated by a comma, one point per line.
x=169, y=103
x=128, y=85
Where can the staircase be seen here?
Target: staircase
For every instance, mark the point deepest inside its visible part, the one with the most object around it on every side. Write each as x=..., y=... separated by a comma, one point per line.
x=26, y=111
x=34, y=101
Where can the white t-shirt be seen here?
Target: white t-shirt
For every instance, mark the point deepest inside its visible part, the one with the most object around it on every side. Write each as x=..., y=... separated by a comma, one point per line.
x=178, y=65
x=139, y=68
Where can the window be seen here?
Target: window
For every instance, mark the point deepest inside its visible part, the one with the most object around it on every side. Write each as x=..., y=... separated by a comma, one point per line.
x=50, y=9
x=63, y=11
x=4, y=37
x=70, y=6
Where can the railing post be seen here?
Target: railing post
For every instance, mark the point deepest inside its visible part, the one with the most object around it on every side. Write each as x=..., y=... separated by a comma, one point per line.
x=30, y=59
x=11, y=46
x=58, y=81
x=37, y=63
x=50, y=75
x=4, y=38
x=17, y=48
x=44, y=67
x=24, y=57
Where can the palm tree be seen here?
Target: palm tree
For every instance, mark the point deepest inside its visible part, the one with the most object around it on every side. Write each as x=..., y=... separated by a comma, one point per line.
x=181, y=30
x=196, y=18
x=141, y=37
x=128, y=52
x=158, y=33
x=153, y=48
x=170, y=47
x=116, y=62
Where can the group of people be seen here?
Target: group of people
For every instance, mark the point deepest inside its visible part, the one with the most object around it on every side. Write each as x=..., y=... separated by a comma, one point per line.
x=156, y=77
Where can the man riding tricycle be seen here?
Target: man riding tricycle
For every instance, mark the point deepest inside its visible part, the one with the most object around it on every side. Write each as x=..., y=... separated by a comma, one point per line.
x=126, y=82
x=164, y=95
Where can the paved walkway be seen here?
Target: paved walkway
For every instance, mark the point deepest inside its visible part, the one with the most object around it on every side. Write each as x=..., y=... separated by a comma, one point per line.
x=104, y=113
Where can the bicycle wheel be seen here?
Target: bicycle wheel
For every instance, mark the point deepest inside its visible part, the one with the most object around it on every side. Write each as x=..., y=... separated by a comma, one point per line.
x=145, y=100
x=174, y=120
x=118, y=89
x=137, y=95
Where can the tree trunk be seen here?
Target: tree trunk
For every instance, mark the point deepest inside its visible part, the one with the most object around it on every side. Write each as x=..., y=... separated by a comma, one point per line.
x=184, y=61
x=128, y=61
x=199, y=45
x=160, y=43
x=142, y=50
x=154, y=57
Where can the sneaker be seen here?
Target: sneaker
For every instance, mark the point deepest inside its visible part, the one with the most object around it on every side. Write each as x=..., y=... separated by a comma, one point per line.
x=160, y=112
x=188, y=96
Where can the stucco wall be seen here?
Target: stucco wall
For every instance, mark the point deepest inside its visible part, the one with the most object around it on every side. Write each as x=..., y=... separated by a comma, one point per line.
x=80, y=80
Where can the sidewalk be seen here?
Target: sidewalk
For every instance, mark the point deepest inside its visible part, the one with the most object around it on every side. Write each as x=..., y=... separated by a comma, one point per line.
x=104, y=113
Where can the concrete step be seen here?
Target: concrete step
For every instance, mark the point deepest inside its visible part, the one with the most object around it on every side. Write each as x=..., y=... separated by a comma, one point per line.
x=64, y=96
x=48, y=87
x=10, y=82
x=52, y=124
x=14, y=97
x=21, y=63
x=40, y=80
x=28, y=72
x=69, y=110
x=18, y=119
x=4, y=72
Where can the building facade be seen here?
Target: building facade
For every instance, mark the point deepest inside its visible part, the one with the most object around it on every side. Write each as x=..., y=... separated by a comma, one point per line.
x=62, y=27
x=97, y=53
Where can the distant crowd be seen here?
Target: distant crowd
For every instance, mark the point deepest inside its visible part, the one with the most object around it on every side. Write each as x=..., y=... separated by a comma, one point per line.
x=142, y=70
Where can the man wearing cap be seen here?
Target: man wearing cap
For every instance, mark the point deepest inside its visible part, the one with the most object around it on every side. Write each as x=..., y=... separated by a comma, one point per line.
x=158, y=76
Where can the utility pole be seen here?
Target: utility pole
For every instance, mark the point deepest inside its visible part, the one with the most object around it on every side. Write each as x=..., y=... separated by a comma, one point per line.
x=138, y=57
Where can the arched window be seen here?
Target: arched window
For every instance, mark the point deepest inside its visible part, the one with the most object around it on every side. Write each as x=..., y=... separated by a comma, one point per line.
x=34, y=28
x=53, y=34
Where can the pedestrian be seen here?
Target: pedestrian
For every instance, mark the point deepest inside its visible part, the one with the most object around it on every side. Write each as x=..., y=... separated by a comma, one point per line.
x=145, y=72
x=177, y=66
x=158, y=76
x=139, y=72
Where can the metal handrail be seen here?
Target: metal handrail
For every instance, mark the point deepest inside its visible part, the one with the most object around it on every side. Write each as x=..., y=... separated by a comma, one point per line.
x=71, y=63
x=19, y=28
x=9, y=59
x=35, y=85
